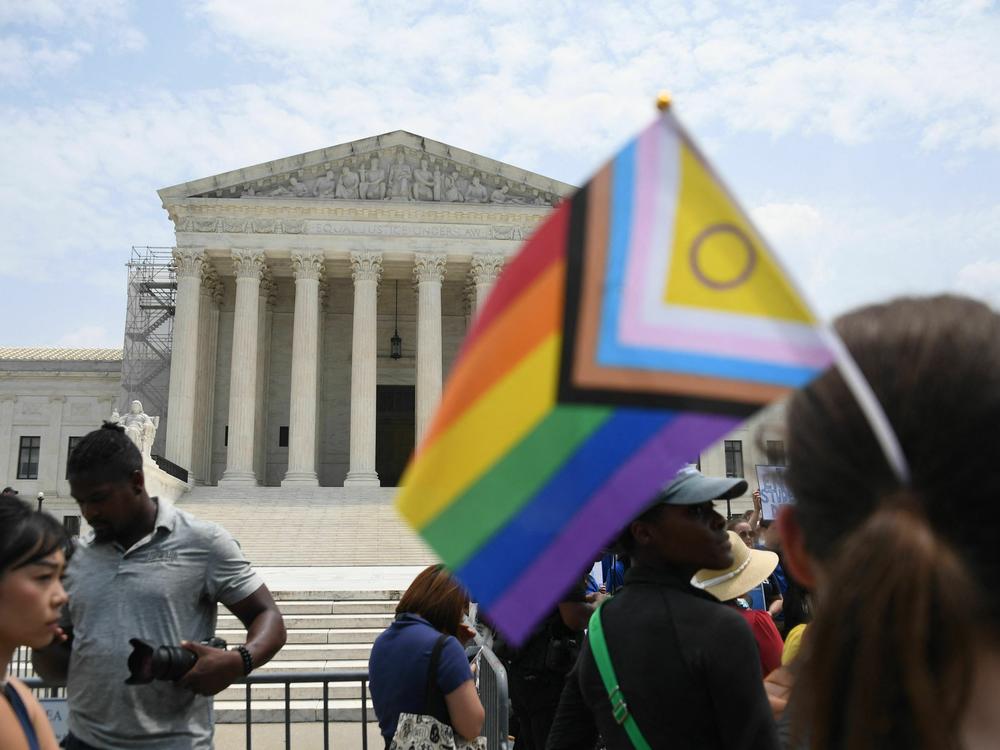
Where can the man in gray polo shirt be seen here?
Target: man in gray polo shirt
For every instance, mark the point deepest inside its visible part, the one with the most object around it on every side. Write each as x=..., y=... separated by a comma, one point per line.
x=154, y=572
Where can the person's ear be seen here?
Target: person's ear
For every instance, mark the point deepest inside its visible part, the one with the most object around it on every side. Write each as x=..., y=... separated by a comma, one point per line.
x=640, y=532
x=796, y=559
x=138, y=481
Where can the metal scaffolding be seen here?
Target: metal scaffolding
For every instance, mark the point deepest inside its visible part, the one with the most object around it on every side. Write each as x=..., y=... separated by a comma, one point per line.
x=149, y=326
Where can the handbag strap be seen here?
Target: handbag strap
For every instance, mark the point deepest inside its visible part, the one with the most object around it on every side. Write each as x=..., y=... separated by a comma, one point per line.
x=431, y=686
x=21, y=711
x=619, y=709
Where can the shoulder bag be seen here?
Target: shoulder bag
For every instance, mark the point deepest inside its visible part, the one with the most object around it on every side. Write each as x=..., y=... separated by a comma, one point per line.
x=423, y=731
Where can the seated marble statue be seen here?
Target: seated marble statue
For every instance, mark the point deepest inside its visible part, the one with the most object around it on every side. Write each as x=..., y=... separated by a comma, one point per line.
x=373, y=181
x=476, y=192
x=139, y=426
x=347, y=185
x=325, y=186
x=423, y=183
x=451, y=192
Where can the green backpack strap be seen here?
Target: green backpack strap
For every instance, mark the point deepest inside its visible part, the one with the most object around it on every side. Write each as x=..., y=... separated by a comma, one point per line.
x=619, y=709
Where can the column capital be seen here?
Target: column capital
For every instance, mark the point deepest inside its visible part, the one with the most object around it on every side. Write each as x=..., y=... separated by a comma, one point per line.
x=486, y=267
x=324, y=292
x=248, y=264
x=211, y=284
x=429, y=267
x=366, y=266
x=268, y=288
x=188, y=261
x=308, y=265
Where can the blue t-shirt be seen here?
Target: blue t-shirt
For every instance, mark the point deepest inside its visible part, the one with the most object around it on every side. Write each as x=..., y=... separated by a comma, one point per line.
x=398, y=668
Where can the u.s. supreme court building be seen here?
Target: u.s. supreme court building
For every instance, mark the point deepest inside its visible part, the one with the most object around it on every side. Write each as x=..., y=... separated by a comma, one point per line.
x=320, y=301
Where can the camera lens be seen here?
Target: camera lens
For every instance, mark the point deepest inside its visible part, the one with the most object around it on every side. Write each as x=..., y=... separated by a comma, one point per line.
x=147, y=662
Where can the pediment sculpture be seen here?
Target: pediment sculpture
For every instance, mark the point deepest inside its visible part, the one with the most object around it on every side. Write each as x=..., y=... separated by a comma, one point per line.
x=396, y=174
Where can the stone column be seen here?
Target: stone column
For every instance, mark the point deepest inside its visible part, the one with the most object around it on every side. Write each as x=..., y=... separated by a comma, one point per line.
x=249, y=267
x=48, y=460
x=428, y=271
x=6, y=425
x=188, y=262
x=484, y=272
x=367, y=272
x=208, y=338
x=308, y=268
x=265, y=319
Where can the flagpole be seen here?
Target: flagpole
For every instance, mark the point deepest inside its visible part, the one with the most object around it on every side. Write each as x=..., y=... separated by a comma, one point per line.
x=855, y=380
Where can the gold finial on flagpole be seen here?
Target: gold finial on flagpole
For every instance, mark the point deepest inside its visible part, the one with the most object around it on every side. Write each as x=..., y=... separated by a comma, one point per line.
x=663, y=101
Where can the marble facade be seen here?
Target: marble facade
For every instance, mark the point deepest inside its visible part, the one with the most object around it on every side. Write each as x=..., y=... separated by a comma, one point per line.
x=283, y=320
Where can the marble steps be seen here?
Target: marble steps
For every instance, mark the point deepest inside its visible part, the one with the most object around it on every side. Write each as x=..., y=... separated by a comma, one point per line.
x=327, y=630
x=308, y=636
x=301, y=711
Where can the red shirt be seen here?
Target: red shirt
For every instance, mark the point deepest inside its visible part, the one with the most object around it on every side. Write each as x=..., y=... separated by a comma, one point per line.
x=769, y=642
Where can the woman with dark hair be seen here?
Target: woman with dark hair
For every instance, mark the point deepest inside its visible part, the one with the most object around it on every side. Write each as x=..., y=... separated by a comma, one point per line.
x=428, y=623
x=903, y=649
x=32, y=558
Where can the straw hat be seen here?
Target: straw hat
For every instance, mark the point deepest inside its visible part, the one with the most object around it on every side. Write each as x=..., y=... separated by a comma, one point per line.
x=750, y=568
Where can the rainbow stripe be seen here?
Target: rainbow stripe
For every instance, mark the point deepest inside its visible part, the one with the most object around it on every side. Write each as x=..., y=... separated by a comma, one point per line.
x=590, y=377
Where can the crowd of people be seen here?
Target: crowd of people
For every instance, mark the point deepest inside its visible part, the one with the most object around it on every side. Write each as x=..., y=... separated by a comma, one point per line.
x=863, y=617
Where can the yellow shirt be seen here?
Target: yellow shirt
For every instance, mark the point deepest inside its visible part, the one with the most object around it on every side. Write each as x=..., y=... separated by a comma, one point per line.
x=793, y=641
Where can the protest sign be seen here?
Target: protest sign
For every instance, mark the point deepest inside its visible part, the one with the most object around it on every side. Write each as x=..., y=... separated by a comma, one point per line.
x=773, y=491
x=57, y=712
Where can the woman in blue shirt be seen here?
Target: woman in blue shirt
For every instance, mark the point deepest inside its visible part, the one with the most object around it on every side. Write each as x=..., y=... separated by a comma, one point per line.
x=433, y=605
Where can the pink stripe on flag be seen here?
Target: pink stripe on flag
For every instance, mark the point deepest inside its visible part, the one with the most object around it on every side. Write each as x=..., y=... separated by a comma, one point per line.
x=536, y=591
x=731, y=345
x=644, y=219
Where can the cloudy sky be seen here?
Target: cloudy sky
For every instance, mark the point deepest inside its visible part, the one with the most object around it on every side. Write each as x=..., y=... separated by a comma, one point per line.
x=864, y=137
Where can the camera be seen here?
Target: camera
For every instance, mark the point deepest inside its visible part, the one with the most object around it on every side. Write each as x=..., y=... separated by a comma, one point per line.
x=148, y=662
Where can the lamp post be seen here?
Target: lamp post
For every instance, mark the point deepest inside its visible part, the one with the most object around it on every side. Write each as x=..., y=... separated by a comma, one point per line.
x=396, y=343
x=41, y=499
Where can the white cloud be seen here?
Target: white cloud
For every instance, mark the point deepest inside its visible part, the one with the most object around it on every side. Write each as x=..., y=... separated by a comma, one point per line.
x=980, y=279
x=23, y=59
x=794, y=229
x=49, y=37
x=855, y=72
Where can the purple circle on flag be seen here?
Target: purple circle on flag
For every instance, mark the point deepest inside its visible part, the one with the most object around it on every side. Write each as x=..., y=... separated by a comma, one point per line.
x=742, y=276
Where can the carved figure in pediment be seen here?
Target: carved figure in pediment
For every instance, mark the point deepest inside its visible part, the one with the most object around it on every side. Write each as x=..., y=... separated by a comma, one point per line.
x=347, y=185
x=423, y=183
x=451, y=192
x=437, y=191
x=400, y=177
x=536, y=199
x=373, y=181
x=295, y=188
x=248, y=192
x=500, y=195
x=476, y=192
x=325, y=186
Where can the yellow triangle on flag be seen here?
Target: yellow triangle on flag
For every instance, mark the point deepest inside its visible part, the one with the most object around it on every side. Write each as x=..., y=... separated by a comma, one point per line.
x=718, y=261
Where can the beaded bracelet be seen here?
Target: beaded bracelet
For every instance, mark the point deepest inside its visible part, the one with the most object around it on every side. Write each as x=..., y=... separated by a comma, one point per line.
x=247, y=659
